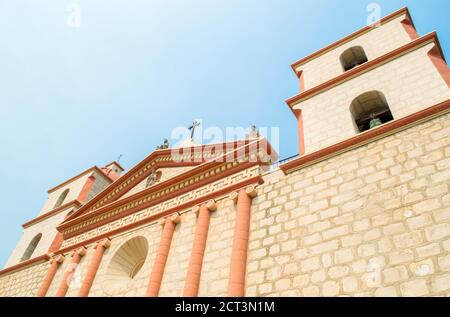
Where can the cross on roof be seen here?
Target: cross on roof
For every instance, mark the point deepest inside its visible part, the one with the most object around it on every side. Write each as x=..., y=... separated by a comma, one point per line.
x=192, y=128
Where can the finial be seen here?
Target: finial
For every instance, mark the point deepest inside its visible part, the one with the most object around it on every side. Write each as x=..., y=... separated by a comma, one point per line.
x=254, y=133
x=163, y=146
x=192, y=128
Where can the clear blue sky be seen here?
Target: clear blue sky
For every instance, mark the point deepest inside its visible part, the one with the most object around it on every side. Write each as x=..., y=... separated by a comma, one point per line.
x=76, y=97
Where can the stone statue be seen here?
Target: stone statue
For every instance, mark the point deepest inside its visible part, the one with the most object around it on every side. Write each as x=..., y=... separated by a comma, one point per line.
x=152, y=179
x=254, y=133
x=163, y=146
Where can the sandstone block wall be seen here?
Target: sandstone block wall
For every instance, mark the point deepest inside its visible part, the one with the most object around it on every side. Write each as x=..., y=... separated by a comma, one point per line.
x=101, y=182
x=374, y=221
x=24, y=282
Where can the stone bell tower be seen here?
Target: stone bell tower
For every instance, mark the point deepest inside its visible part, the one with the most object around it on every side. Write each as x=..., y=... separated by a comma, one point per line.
x=384, y=74
x=40, y=235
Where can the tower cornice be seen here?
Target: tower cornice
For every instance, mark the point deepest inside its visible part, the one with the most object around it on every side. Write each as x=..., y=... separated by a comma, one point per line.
x=353, y=35
x=367, y=137
x=73, y=203
x=157, y=159
x=419, y=42
x=24, y=264
x=216, y=177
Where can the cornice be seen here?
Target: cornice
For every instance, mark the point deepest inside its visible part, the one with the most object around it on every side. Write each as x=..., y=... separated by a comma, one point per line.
x=146, y=198
x=223, y=192
x=157, y=159
x=116, y=163
x=25, y=264
x=53, y=212
x=352, y=36
x=91, y=169
x=367, y=137
x=190, y=180
x=413, y=45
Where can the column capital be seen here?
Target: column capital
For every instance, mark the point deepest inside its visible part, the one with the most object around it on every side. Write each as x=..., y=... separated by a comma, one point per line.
x=175, y=218
x=249, y=190
x=104, y=243
x=210, y=204
x=58, y=258
x=196, y=209
x=234, y=196
x=81, y=251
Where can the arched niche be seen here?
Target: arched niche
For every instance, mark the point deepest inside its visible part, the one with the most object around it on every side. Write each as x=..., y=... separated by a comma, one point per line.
x=369, y=110
x=31, y=247
x=353, y=57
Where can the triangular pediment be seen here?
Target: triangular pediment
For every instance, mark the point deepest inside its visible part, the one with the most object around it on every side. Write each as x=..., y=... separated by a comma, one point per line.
x=173, y=163
x=157, y=176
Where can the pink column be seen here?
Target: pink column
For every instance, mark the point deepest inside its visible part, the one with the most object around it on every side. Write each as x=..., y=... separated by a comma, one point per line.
x=75, y=260
x=236, y=282
x=54, y=264
x=161, y=257
x=198, y=249
x=93, y=267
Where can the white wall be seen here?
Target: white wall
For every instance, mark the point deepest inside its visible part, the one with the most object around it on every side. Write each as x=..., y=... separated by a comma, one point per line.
x=377, y=42
x=48, y=229
x=410, y=83
x=74, y=187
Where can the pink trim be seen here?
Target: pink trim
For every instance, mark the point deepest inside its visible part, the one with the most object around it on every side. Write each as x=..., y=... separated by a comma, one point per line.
x=86, y=189
x=301, y=134
x=409, y=27
x=365, y=137
x=75, y=202
x=24, y=264
x=435, y=54
x=364, y=68
x=349, y=37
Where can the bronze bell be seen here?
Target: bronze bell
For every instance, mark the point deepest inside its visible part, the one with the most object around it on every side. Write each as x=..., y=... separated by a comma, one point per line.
x=375, y=122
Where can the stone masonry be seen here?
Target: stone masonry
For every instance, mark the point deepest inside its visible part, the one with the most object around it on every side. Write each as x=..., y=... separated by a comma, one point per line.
x=358, y=213
x=374, y=221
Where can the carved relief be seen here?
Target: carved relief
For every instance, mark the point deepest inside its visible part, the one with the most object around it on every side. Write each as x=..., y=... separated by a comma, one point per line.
x=124, y=266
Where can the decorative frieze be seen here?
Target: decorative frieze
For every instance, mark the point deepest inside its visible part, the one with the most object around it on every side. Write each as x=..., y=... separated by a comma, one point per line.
x=138, y=216
x=151, y=196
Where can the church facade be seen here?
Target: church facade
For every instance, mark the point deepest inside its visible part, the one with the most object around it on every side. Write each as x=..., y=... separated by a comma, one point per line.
x=363, y=210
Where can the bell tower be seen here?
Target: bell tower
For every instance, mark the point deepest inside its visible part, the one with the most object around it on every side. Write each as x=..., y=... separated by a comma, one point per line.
x=380, y=77
x=40, y=235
